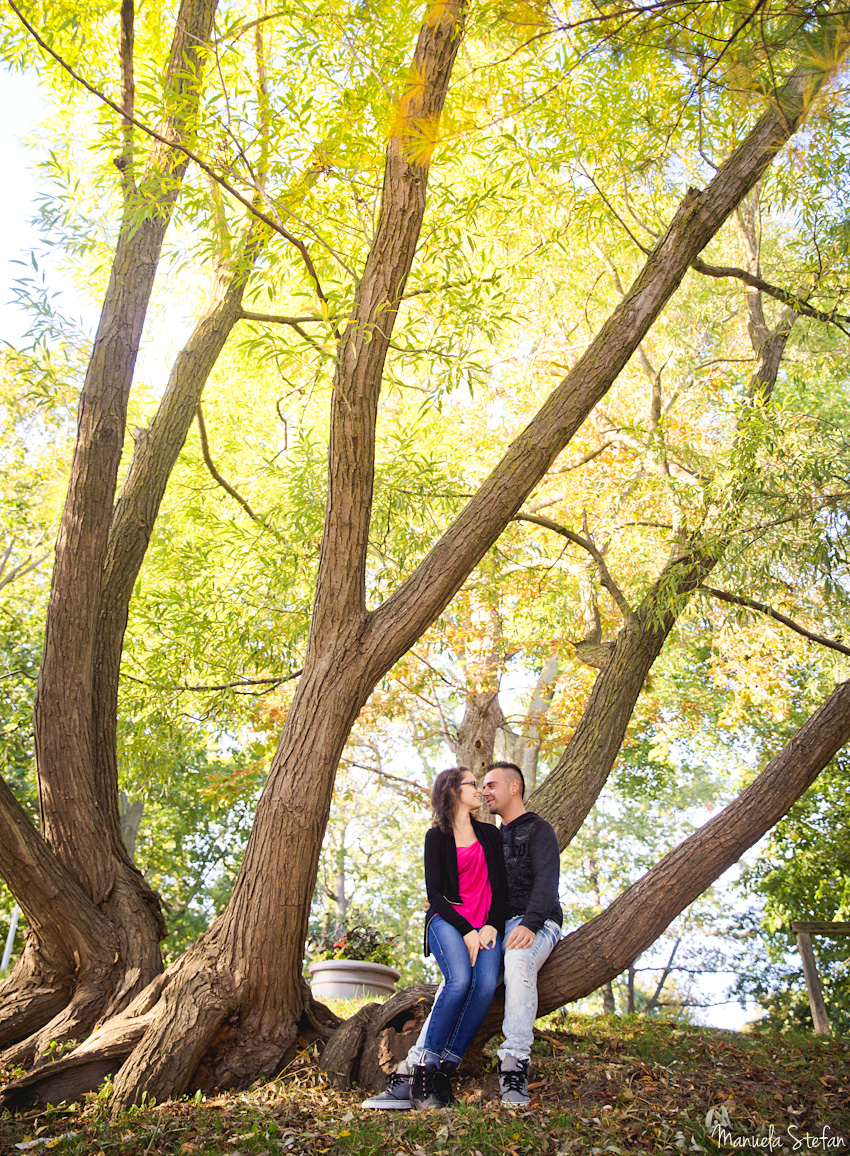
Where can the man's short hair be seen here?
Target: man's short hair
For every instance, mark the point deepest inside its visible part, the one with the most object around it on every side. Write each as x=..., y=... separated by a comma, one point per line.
x=512, y=774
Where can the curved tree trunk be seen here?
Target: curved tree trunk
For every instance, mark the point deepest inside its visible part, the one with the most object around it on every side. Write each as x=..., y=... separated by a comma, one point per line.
x=71, y=947
x=605, y=946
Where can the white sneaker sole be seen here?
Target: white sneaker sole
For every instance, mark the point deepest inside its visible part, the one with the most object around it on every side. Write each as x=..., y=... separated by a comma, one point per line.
x=387, y=1105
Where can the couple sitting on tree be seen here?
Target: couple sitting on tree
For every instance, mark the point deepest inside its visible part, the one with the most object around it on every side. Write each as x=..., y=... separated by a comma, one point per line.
x=493, y=900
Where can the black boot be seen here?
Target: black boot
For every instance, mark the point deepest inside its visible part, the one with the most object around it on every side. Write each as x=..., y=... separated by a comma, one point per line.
x=443, y=1082
x=423, y=1087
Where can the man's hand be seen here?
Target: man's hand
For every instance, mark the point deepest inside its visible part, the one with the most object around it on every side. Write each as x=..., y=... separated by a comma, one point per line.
x=520, y=937
x=472, y=944
x=487, y=936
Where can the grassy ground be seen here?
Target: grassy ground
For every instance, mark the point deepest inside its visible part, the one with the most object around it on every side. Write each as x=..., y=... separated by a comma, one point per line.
x=602, y=1085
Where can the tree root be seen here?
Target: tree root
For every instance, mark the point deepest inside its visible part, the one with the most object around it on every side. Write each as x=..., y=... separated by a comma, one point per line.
x=317, y=1021
x=84, y=1069
x=369, y=1044
x=182, y=1026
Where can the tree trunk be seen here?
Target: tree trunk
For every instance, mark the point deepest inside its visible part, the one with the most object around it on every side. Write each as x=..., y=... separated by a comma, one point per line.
x=573, y=785
x=79, y=822
x=609, y=1006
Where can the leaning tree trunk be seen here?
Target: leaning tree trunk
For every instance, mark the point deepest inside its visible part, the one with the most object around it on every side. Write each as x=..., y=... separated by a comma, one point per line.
x=81, y=828
x=228, y=1010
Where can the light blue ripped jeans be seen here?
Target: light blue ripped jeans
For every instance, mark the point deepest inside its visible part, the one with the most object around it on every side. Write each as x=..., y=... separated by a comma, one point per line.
x=521, y=966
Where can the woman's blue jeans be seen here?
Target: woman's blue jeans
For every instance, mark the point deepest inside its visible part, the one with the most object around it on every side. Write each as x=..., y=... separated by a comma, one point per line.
x=464, y=1001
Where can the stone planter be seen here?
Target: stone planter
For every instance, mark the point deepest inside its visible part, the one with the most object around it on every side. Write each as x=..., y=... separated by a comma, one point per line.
x=351, y=978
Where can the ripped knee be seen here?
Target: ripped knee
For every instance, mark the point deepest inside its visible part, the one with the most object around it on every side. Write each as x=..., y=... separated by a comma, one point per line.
x=520, y=970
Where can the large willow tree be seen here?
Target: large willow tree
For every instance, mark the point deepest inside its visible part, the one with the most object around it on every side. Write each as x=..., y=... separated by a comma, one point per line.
x=333, y=157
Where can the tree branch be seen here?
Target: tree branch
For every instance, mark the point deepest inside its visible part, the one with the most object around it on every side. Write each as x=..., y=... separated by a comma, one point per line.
x=128, y=91
x=341, y=586
x=282, y=319
x=586, y=544
x=19, y=571
x=787, y=298
x=386, y=775
x=225, y=485
x=762, y=608
x=294, y=322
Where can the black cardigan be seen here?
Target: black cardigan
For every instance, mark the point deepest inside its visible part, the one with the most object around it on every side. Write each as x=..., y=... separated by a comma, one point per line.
x=441, y=877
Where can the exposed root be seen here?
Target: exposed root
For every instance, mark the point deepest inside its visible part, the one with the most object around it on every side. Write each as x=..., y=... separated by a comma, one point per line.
x=317, y=1021
x=183, y=1024
x=86, y=1067
x=375, y=1038
x=342, y=1051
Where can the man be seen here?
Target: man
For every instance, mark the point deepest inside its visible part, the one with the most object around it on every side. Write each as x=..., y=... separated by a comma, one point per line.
x=533, y=927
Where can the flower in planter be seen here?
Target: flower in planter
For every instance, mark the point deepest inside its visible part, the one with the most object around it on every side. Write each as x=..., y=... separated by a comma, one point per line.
x=357, y=942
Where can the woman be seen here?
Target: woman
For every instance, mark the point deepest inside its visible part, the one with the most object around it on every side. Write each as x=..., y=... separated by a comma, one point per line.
x=466, y=885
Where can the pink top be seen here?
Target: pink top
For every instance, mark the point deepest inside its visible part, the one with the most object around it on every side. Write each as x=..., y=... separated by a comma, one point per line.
x=475, y=894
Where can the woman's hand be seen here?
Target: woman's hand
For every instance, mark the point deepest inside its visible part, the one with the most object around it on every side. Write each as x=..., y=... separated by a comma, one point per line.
x=472, y=944
x=487, y=936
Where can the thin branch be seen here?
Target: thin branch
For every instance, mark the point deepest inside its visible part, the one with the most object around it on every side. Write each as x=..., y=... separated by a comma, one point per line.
x=751, y=604
x=243, y=28
x=614, y=212
x=270, y=682
x=585, y=543
x=758, y=527
x=283, y=319
x=386, y=775
x=783, y=295
x=293, y=322
x=449, y=285
x=225, y=485
x=24, y=568
x=588, y=457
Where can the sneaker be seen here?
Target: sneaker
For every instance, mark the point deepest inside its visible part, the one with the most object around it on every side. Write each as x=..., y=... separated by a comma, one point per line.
x=424, y=1084
x=395, y=1095
x=513, y=1082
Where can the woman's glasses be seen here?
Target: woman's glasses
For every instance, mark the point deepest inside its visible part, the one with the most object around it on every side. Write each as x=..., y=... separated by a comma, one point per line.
x=470, y=783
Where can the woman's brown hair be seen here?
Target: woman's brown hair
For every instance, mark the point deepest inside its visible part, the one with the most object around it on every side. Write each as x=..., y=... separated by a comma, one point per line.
x=444, y=797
